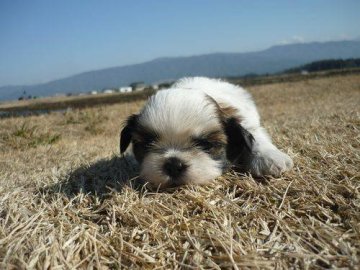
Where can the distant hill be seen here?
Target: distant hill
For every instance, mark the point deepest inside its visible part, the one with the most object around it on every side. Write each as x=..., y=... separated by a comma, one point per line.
x=272, y=60
x=328, y=64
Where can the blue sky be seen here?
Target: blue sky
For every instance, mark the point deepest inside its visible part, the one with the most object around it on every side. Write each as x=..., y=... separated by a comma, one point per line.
x=46, y=40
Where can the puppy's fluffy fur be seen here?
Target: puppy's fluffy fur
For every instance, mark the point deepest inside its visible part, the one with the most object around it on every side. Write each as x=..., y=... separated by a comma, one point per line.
x=195, y=130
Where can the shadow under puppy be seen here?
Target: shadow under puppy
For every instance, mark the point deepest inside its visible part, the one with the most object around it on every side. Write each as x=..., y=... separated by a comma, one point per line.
x=192, y=132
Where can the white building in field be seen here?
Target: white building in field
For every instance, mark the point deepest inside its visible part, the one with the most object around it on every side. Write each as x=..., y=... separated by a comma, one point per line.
x=94, y=92
x=125, y=89
x=108, y=91
x=304, y=72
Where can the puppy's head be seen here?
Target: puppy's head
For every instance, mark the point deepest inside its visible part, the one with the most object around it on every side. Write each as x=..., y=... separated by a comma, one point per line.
x=182, y=137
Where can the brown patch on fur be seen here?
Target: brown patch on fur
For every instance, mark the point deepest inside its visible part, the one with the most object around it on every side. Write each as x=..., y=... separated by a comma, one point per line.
x=216, y=136
x=227, y=111
x=224, y=111
x=213, y=143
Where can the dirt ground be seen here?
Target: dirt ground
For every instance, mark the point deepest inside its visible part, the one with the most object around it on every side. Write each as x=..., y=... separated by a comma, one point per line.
x=68, y=200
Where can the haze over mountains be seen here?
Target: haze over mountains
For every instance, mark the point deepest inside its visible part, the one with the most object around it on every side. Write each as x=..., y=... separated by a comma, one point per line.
x=272, y=60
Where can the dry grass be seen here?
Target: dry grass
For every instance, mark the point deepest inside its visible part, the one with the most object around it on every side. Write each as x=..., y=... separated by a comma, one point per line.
x=65, y=202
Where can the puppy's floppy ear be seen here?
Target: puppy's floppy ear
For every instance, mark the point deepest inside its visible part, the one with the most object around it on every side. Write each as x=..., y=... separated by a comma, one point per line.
x=126, y=133
x=240, y=142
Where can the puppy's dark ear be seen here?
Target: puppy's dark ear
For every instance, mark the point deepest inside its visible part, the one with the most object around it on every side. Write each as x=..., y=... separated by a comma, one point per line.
x=239, y=142
x=126, y=133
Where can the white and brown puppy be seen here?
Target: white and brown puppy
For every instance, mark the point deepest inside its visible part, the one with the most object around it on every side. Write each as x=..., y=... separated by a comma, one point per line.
x=192, y=132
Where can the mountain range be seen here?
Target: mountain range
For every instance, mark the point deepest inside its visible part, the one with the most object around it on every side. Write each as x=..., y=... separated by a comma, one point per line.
x=272, y=60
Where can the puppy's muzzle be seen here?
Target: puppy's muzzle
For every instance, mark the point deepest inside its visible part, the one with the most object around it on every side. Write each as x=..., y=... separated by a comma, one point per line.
x=174, y=167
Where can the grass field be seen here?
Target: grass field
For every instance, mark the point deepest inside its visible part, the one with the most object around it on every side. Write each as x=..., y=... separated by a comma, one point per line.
x=66, y=201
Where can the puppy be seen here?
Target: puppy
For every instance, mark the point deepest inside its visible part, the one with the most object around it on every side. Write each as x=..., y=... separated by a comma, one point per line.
x=192, y=132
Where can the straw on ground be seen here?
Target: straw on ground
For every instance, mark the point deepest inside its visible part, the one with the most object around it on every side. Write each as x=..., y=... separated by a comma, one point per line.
x=65, y=201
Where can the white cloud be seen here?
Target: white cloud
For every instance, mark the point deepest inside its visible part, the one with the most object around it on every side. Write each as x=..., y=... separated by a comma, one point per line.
x=292, y=40
x=299, y=39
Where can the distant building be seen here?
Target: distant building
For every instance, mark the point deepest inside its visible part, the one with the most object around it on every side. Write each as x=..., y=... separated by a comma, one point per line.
x=108, y=91
x=94, y=92
x=125, y=89
x=304, y=72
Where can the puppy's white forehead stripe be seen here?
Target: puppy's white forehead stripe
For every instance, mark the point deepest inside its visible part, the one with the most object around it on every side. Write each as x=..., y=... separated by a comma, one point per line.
x=171, y=153
x=175, y=112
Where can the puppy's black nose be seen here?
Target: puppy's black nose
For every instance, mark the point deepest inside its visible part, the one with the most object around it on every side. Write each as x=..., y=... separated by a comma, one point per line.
x=174, y=167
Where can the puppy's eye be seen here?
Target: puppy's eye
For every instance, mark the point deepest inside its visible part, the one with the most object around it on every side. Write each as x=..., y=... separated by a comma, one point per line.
x=144, y=140
x=144, y=144
x=205, y=144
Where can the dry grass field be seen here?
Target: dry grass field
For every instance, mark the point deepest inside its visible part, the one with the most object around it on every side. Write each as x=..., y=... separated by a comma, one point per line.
x=68, y=201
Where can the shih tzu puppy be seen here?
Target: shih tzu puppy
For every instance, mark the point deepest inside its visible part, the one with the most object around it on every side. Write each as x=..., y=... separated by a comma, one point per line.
x=192, y=132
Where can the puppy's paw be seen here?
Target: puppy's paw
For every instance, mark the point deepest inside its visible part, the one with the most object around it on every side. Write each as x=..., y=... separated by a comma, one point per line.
x=271, y=162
